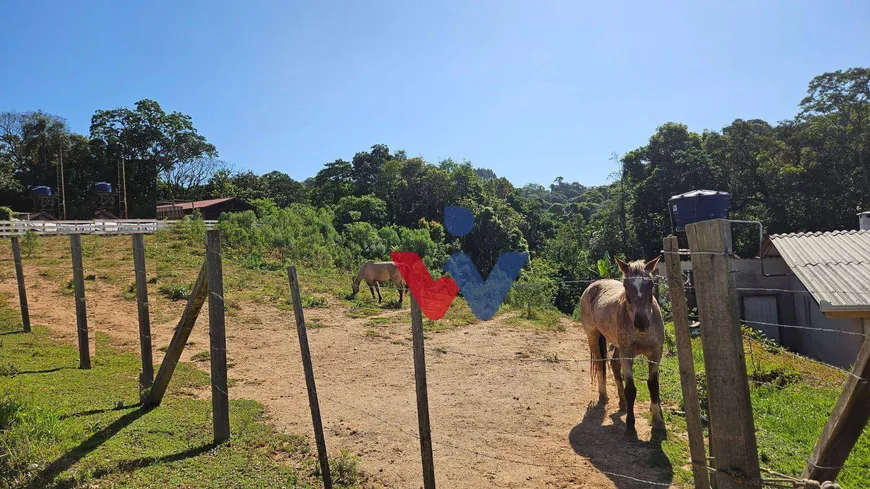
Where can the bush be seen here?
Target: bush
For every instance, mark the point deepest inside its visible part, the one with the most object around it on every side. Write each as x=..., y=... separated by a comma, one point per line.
x=5, y=213
x=191, y=228
x=344, y=469
x=31, y=243
x=175, y=292
x=535, y=289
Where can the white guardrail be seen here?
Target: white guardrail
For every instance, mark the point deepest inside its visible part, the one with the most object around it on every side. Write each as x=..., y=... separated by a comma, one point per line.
x=114, y=226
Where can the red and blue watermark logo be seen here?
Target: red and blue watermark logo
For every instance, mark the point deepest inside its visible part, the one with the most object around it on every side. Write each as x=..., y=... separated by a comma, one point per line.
x=484, y=297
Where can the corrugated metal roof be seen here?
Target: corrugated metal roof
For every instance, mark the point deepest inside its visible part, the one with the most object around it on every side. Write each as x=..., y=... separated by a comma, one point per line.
x=198, y=204
x=833, y=266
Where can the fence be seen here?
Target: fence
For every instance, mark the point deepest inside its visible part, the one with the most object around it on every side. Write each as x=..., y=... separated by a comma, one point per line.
x=107, y=227
x=732, y=459
x=209, y=284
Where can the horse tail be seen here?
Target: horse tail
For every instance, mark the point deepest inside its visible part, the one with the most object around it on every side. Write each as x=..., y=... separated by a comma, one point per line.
x=599, y=364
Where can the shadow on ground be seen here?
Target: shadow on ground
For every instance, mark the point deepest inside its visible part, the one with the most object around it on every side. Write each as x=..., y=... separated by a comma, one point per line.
x=46, y=477
x=620, y=458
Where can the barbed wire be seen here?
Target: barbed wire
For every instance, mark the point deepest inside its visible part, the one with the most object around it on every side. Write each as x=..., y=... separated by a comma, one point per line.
x=795, y=326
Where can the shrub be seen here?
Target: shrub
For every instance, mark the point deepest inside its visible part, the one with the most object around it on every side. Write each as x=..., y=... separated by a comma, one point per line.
x=31, y=243
x=175, y=292
x=5, y=213
x=535, y=289
x=344, y=469
x=191, y=228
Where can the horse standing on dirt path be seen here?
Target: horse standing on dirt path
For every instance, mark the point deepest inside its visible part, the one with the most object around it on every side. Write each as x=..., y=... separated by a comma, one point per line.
x=376, y=272
x=626, y=315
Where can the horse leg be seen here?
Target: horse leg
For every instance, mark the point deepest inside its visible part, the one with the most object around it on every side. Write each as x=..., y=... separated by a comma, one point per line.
x=378, y=288
x=655, y=406
x=598, y=353
x=630, y=394
x=372, y=290
x=401, y=293
x=617, y=376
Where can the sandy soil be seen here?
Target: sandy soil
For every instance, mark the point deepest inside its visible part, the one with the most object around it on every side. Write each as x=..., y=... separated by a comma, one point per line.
x=498, y=420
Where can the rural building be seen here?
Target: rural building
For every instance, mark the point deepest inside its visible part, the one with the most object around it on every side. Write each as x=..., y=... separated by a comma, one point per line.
x=811, y=280
x=210, y=209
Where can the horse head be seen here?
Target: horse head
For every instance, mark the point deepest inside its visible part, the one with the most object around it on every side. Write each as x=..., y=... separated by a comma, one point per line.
x=638, y=282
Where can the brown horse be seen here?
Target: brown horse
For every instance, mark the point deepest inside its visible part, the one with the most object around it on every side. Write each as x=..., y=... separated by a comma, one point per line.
x=376, y=272
x=626, y=315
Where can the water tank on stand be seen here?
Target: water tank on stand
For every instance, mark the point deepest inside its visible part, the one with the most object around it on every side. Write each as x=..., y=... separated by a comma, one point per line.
x=696, y=206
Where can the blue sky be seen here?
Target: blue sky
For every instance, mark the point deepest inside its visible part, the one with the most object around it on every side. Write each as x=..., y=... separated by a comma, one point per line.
x=533, y=90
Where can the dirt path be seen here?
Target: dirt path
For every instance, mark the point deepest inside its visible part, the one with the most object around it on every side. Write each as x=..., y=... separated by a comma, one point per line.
x=498, y=419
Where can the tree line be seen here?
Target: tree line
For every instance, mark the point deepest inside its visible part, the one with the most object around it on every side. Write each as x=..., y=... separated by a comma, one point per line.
x=808, y=173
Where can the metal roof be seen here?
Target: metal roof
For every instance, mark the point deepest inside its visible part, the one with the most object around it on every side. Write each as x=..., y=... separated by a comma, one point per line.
x=833, y=266
x=198, y=204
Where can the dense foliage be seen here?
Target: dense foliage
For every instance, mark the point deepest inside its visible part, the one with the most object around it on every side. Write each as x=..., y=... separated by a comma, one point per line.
x=806, y=173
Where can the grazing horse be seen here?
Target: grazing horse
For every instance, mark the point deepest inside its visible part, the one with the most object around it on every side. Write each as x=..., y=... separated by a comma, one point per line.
x=376, y=272
x=626, y=315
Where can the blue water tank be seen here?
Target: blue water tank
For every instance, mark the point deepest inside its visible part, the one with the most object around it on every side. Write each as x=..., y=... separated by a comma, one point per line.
x=40, y=190
x=103, y=187
x=698, y=205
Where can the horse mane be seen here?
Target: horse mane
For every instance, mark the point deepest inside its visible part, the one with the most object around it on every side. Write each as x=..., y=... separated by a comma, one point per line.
x=637, y=269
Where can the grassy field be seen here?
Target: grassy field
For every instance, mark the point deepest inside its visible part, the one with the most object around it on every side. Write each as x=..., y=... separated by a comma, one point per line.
x=64, y=427
x=792, y=398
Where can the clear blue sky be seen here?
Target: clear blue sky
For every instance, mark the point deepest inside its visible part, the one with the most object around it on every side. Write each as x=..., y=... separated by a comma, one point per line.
x=533, y=90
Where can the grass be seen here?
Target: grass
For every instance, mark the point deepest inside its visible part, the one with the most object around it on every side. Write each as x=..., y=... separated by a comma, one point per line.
x=61, y=427
x=791, y=401
x=457, y=316
x=543, y=319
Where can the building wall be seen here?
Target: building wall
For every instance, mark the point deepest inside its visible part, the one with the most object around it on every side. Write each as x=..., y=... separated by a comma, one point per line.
x=796, y=308
x=834, y=348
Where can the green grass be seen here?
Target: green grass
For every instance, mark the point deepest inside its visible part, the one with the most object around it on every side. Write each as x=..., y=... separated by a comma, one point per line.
x=457, y=316
x=544, y=319
x=789, y=414
x=61, y=427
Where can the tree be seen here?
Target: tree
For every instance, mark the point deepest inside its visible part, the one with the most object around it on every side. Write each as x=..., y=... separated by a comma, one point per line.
x=367, y=208
x=283, y=189
x=148, y=133
x=332, y=183
x=367, y=167
x=842, y=98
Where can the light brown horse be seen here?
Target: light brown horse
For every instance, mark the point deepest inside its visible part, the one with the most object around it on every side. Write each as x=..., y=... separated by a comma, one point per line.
x=376, y=272
x=626, y=315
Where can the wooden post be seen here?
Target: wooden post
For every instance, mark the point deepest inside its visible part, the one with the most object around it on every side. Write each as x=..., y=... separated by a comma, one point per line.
x=422, y=396
x=688, y=382
x=146, y=378
x=220, y=399
x=81, y=309
x=845, y=425
x=733, y=439
x=22, y=290
x=309, y=378
x=179, y=339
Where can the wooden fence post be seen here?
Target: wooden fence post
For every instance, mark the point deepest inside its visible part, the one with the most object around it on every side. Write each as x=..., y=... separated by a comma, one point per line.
x=146, y=378
x=22, y=290
x=309, y=378
x=179, y=339
x=846, y=423
x=81, y=309
x=220, y=399
x=688, y=382
x=733, y=436
x=422, y=395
